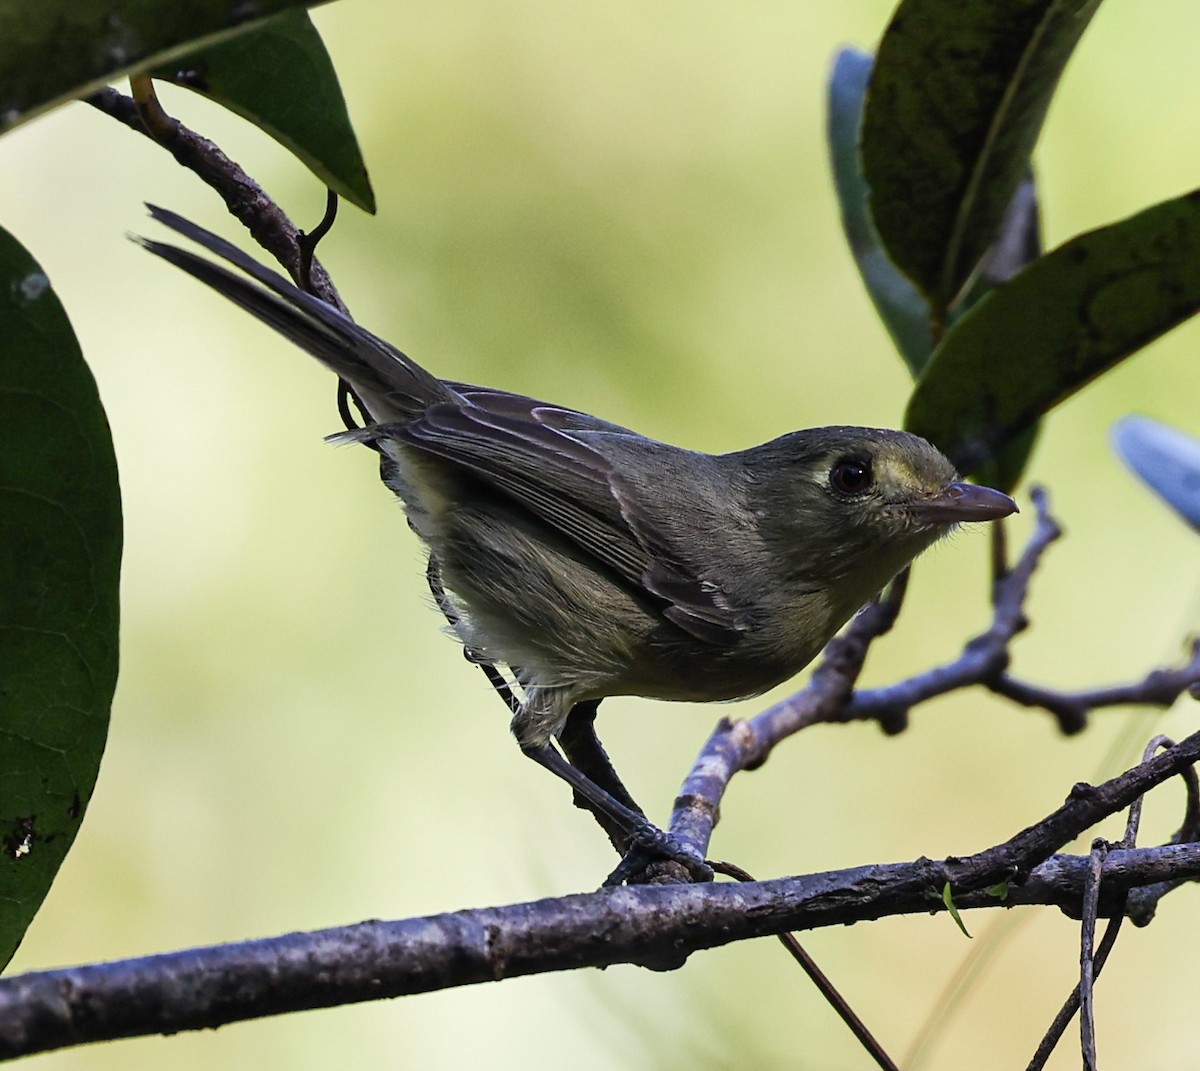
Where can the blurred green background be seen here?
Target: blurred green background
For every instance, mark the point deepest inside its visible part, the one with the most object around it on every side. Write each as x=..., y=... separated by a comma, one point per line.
x=626, y=208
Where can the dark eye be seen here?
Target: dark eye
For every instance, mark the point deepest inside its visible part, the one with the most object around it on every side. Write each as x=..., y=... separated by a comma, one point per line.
x=851, y=476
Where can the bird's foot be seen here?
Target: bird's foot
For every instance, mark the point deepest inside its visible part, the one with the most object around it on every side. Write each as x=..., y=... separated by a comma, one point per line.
x=649, y=844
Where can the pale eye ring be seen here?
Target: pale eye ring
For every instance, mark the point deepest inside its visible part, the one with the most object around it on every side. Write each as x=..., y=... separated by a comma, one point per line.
x=852, y=476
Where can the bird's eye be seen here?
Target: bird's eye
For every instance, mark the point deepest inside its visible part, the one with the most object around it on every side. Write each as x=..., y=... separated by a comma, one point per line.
x=851, y=476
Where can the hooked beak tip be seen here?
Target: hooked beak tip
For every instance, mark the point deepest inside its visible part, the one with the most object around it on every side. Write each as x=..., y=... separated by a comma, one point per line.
x=962, y=502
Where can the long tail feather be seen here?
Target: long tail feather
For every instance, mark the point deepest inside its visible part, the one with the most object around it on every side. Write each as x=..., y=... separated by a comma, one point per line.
x=391, y=383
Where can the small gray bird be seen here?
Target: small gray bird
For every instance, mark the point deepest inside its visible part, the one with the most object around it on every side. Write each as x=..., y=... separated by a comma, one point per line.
x=593, y=561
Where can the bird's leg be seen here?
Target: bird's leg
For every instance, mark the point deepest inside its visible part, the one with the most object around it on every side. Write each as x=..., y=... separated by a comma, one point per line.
x=619, y=816
x=646, y=841
x=584, y=751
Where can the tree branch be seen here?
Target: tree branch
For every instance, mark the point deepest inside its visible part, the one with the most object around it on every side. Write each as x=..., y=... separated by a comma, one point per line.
x=208, y=987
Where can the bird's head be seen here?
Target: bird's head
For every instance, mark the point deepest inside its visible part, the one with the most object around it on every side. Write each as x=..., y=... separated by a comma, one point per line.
x=850, y=507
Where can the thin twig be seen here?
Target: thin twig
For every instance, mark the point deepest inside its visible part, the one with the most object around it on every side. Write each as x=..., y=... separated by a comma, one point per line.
x=824, y=986
x=1144, y=900
x=267, y=223
x=1075, y=1001
x=742, y=745
x=1071, y=1006
x=1087, y=941
x=307, y=241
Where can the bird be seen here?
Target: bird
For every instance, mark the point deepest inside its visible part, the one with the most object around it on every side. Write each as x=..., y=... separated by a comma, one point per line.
x=593, y=561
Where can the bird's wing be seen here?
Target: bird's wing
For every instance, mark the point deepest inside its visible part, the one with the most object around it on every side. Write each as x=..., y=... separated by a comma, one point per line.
x=539, y=455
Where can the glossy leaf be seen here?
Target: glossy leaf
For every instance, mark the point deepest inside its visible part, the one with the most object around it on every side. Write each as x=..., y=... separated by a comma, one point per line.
x=955, y=105
x=54, y=50
x=60, y=552
x=280, y=78
x=1064, y=320
x=903, y=310
x=1166, y=459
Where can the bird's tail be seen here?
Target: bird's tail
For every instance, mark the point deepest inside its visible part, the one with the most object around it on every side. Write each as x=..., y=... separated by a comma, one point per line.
x=391, y=385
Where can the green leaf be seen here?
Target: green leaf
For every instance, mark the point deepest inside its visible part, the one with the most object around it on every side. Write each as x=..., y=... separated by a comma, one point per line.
x=948, y=900
x=1004, y=471
x=1018, y=245
x=999, y=891
x=1166, y=459
x=54, y=50
x=60, y=554
x=1064, y=320
x=955, y=105
x=280, y=77
x=903, y=310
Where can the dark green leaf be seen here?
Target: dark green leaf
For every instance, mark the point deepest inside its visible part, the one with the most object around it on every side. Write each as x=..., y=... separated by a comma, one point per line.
x=280, y=77
x=1168, y=460
x=60, y=553
x=1061, y=322
x=1018, y=245
x=904, y=312
x=955, y=105
x=54, y=50
x=1004, y=471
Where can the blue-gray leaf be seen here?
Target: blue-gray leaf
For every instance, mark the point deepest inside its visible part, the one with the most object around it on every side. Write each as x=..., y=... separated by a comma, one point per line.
x=1166, y=459
x=903, y=310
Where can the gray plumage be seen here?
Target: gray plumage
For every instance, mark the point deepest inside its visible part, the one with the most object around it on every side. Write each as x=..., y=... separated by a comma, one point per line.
x=595, y=561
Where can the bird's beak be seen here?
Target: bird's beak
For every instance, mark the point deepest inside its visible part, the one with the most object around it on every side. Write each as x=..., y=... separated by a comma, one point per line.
x=958, y=502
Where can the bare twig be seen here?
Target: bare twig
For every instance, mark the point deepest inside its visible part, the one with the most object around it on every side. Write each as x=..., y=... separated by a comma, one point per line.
x=1068, y=1010
x=1087, y=942
x=1144, y=900
x=1080, y=997
x=824, y=986
x=742, y=745
x=307, y=241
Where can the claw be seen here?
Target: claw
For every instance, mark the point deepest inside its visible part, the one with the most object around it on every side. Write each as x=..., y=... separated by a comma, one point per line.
x=648, y=843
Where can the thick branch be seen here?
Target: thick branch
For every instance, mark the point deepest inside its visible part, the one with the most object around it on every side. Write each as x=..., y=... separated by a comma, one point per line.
x=208, y=987
x=211, y=986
